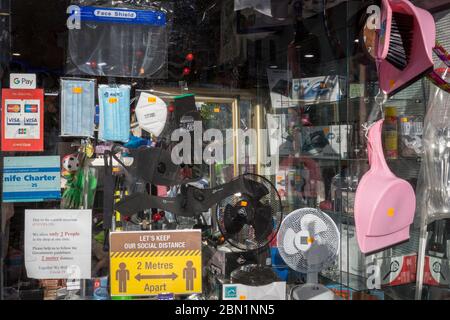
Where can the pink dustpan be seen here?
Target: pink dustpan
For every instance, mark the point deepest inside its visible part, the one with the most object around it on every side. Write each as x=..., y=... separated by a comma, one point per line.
x=384, y=203
x=405, y=47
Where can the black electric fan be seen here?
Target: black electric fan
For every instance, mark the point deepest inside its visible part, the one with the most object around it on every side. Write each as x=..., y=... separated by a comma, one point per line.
x=250, y=220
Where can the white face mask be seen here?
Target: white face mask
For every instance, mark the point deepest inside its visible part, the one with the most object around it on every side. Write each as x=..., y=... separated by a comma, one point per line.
x=151, y=113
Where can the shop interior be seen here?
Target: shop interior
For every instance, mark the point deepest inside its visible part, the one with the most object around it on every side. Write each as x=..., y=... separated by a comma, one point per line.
x=225, y=150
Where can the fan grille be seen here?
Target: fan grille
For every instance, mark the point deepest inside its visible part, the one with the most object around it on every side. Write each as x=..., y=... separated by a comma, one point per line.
x=323, y=252
x=246, y=238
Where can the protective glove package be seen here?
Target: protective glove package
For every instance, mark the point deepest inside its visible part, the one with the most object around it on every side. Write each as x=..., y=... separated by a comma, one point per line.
x=114, y=113
x=77, y=107
x=119, y=42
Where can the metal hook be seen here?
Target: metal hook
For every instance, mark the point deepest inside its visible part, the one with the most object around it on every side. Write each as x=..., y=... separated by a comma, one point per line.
x=366, y=127
x=381, y=99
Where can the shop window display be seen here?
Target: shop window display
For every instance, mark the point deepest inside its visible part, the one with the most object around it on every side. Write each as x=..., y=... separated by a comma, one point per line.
x=224, y=150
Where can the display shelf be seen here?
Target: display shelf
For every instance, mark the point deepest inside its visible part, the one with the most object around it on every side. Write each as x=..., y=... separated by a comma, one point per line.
x=415, y=160
x=346, y=279
x=341, y=217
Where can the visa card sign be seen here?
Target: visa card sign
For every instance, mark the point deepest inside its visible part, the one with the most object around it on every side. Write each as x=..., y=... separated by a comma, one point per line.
x=22, y=127
x=31, y=179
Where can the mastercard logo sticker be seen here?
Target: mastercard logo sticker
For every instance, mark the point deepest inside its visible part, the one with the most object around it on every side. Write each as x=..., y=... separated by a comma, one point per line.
x=112, y=100
x=13, y=108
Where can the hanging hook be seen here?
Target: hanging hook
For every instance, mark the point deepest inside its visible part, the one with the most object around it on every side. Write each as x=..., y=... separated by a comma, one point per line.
x=381, y=99
x=366, y=127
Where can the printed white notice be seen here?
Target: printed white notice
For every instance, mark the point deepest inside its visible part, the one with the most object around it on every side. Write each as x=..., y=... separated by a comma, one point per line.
x=56, y=242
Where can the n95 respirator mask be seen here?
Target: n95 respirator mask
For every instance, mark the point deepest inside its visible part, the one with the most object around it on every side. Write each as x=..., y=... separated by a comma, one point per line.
x=151, y=113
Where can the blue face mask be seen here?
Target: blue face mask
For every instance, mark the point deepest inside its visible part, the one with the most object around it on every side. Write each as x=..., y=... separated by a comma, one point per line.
x=114, y=113
x=77, y=107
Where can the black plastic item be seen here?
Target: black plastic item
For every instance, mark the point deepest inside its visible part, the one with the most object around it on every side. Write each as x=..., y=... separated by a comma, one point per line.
x=304, y=53
x=318, y=142
x=254, y=214
x=283, y=88
x=32, y=294
x=331, y=32
x=250, y=220
x=280, y=9
x=191, y=201
x=108, y=198
x=185, y=107
x=155, y=166
x=438, y=239
x=108, y=191
x=254, y=275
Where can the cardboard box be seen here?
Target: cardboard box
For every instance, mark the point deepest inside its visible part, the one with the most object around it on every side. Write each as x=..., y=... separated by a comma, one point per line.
x=351, y=259
x=437, y=271
x=395, y=271
x=273, y=291
x=326, y=141
x=318, y=89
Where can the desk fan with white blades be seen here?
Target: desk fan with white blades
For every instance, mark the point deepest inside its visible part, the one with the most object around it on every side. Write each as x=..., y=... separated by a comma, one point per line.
x=309, y=241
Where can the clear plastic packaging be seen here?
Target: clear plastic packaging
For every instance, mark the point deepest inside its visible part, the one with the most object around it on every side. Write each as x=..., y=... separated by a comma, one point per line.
x=411, y=136
x=114, y=104
x=263, y=6
x=77, y=107
x=434, y=183
x=127, y=39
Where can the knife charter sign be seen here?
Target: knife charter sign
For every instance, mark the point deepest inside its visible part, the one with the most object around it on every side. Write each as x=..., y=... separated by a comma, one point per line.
x=155, y=262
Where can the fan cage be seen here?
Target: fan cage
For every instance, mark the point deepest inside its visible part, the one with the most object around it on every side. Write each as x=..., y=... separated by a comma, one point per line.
x=246, y=238
x=330, y=240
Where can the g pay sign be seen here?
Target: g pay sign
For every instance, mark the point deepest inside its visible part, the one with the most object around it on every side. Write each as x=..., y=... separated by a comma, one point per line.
x=22, y=81
x=149, y=263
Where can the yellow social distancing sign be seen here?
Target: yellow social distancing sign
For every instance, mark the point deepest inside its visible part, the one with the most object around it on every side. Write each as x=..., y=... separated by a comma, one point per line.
x=147, y=263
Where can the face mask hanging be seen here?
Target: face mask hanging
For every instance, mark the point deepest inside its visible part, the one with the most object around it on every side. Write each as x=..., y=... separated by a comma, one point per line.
x=77, y=107
x=114, y=113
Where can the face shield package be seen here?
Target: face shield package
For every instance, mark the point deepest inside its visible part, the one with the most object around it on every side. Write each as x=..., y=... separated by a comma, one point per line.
x=120, y=41
x=77, y=107
x=114, y=113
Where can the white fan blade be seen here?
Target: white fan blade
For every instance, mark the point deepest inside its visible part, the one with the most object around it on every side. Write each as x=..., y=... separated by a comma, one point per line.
x=318, y=254
x=288, y=242
x=303, y=240
x=313, y=224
